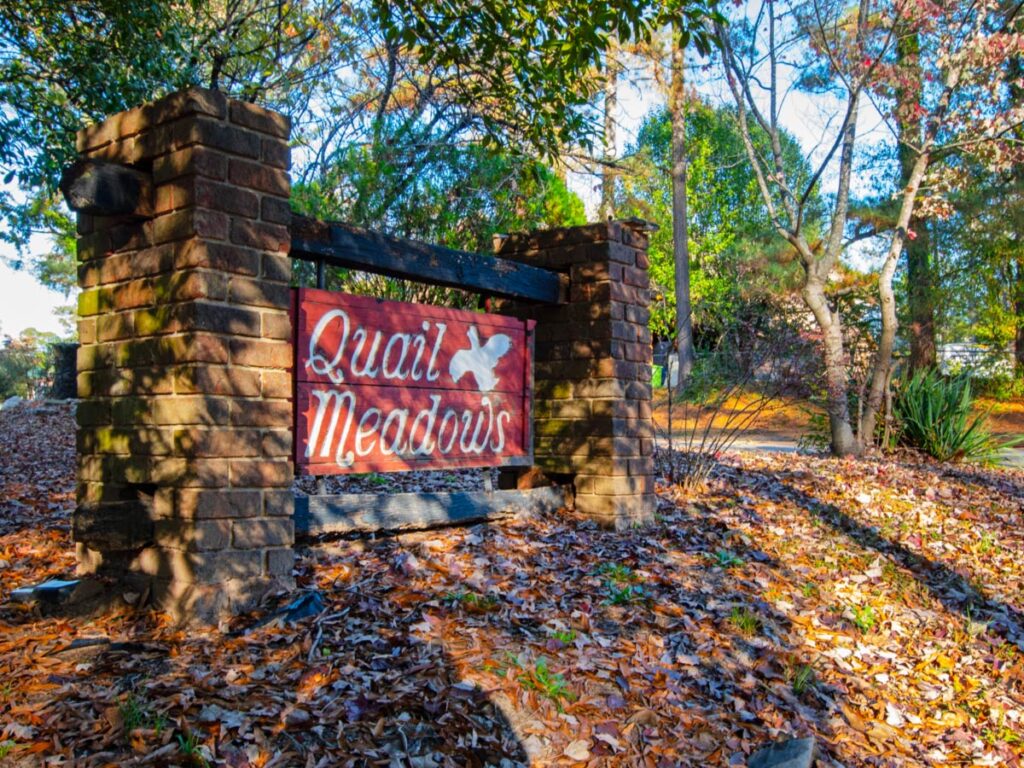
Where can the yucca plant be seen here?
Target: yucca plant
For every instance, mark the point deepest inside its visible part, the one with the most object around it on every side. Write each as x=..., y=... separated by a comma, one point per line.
x=934, y=415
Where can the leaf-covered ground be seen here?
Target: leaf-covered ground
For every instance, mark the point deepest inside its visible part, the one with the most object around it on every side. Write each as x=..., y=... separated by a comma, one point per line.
x=876, y=604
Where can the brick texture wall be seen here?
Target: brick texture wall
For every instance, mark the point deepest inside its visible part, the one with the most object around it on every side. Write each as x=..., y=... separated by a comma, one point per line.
x=184, y=367
x=593, y=367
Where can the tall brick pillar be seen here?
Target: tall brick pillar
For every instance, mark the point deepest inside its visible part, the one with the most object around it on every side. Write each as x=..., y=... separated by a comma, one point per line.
x=185, y=417
x=592, y=369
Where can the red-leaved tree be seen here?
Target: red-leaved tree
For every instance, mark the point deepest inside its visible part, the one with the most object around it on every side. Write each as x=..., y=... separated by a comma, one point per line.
x=961, y=76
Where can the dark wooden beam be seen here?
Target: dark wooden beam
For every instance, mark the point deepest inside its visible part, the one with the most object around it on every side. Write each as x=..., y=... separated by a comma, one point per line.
x=101, y=188
x=367, y=512
x=342, y=245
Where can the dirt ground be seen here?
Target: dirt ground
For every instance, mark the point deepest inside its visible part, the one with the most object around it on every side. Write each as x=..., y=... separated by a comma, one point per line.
x=1005, y=417
x=780, y=418
x=787, y=420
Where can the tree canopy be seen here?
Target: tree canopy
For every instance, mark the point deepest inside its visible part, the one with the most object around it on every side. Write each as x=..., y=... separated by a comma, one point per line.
x=509, y=73
x=733, y=250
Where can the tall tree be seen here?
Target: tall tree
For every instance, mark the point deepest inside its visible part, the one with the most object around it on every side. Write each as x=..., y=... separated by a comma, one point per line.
x=680, y=220
x=735, y=256
x=967, y=46
x=612, y=67
x=921, y=288
x=1015, y=78
x=523, y=71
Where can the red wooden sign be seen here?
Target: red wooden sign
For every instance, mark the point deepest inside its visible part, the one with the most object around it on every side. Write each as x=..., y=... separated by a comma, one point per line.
x=384, y=386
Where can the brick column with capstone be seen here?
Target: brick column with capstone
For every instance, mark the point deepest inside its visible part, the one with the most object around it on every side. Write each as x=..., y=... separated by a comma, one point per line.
x=185, y=419
x=592, y=371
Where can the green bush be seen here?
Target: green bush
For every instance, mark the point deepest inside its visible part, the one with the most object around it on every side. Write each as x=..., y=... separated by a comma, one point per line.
x=934, y=414
x=26, y=364
x=1002, y=387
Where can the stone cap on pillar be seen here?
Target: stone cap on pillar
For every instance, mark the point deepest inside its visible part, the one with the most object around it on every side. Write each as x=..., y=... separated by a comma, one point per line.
x=631, y=231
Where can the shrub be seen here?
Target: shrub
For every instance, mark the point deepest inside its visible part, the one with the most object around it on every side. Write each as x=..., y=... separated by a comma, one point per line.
x=1001, y=387
x=736, y=378
x=934, y=415
x=26, y=364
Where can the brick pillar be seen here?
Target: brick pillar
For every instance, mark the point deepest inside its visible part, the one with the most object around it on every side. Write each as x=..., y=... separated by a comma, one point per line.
x=185, y=420
x=592, y=368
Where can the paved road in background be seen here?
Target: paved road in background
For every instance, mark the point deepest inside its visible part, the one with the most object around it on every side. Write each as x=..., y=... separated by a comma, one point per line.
x=1014, y=459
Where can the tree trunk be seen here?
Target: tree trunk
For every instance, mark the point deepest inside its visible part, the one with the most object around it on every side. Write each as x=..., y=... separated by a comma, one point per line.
x=680, y=225
x=837, y=405
x=880, y=376
x=1018, y=341
x=887, y=296
x=920, y=275
x=1016, y=98
x=611, y=100
x=921, y=297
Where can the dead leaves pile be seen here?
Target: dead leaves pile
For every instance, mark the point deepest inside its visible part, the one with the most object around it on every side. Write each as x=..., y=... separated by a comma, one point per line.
x=877, y=605
x=37, y=492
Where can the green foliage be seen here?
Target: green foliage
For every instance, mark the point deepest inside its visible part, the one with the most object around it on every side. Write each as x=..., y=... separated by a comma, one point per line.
x=57, y=73
x=136, y=713
x=375, y=479
x=624, y=594
x=621, y=585
x=191, y=750
x=6, y=747
x=746, y=622
x=133, y=713
x=1001, y=733
x=473, y=601
x=534, y=61
x=411, y=183
x=507, y=73
x=980, y=292
x=935, y=414
x=803, y=679
x=723, y=558
x=551, y=685
x=863, y=617
x=26, y=364
x=1000, y=387
x=987, y=544
x=616, y=572
x=566, y=637
x=63, y=66
x=734, y=250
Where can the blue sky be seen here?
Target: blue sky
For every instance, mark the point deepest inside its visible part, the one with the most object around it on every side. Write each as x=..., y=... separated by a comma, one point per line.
x=24, y=303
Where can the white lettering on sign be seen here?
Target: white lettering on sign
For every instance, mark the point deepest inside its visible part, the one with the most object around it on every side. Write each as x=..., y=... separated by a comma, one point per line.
x=390, y=366
x=394, y=386
x=474, y=431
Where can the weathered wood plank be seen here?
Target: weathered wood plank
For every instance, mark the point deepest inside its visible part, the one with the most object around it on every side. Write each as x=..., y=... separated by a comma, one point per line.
x=351, y=513
x=102, y=188
x=342, y=245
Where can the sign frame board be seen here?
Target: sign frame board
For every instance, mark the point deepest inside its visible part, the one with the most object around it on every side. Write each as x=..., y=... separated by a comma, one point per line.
x=388, y=386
